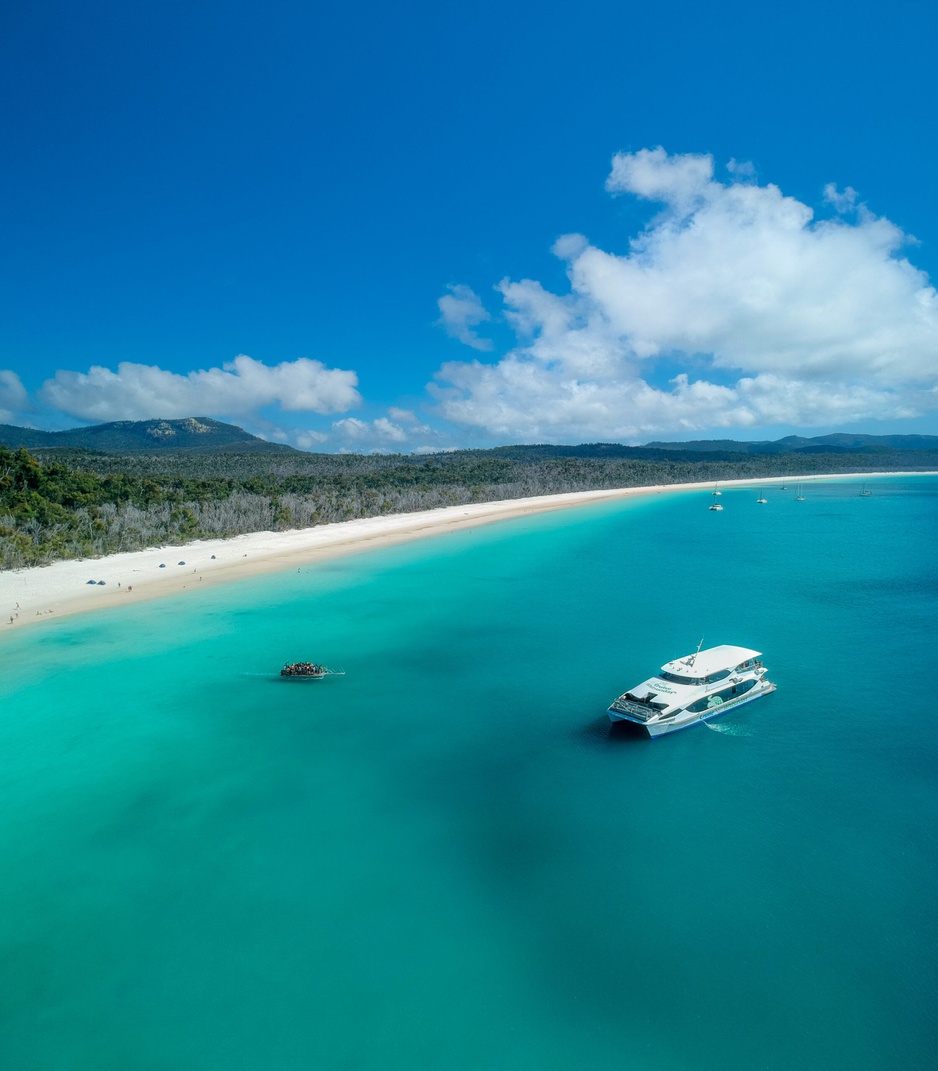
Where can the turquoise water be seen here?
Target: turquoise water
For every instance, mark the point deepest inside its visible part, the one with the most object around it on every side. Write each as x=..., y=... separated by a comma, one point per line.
x=446, y=858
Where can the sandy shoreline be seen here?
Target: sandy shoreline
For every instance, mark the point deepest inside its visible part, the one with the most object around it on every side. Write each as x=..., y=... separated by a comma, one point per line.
x=30, y=596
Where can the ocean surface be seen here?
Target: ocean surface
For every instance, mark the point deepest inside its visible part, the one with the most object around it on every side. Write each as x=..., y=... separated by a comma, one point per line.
x=447, y=859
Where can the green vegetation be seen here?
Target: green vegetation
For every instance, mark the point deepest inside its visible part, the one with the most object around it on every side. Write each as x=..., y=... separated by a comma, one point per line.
x=78, y=503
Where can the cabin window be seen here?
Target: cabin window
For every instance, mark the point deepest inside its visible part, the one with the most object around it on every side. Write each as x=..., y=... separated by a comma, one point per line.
x=674, y=678
x=720, y=675
x=724, y=695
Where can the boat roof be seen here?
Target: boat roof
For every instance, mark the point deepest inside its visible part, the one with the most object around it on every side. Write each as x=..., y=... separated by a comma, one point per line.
x=703, y=663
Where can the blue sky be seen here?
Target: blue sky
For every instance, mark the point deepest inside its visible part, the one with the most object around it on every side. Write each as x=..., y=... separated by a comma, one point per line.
x=426, y=226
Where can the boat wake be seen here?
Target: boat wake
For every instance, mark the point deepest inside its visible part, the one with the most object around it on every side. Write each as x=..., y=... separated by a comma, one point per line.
x=729, y=728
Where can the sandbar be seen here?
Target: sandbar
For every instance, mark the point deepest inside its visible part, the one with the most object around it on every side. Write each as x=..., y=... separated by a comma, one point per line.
x=33, y=595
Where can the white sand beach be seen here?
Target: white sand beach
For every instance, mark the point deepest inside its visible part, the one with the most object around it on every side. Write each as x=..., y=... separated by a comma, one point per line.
x=30, y=596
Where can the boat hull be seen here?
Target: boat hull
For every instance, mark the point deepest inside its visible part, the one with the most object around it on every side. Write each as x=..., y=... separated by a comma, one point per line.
x=685, y=719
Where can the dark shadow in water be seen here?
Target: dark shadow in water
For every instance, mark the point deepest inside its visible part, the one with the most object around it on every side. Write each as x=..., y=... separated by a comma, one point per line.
x=601, y=733
x=523, y=850
x=527, y=849
x=626, y=732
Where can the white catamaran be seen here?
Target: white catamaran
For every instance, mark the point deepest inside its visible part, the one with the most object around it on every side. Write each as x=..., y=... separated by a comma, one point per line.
x=692, y=689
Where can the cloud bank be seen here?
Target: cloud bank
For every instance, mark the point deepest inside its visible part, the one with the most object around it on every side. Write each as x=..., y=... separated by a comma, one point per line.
x=773, y=317
x=238, y=388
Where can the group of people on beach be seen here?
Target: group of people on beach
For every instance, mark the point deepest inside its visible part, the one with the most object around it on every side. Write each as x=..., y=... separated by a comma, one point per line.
x=302, y=669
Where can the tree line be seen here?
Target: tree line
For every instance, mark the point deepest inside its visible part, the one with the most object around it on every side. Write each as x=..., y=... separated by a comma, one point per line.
x=59, y=504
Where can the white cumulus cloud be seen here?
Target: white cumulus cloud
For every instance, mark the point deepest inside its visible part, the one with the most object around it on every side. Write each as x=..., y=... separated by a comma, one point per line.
x=13, y=397
x=403, y=434
x=774, y=315
x=239, y=387
x=310, y=440
x=369, y=434
x=404, y=416
x=461, y=311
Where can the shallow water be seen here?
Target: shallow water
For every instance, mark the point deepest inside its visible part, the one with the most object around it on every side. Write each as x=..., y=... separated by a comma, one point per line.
x=446, y=858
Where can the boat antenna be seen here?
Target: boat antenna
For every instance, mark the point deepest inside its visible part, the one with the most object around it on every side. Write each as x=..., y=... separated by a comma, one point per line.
x=697, y=652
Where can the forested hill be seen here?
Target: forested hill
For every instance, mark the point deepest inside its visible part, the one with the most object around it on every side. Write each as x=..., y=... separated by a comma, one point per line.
x=193, y=434
x=72, y=503
x=798, y=444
